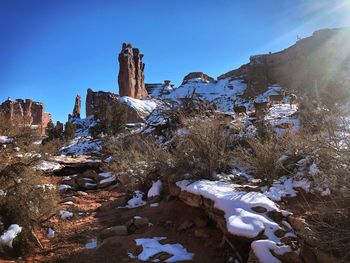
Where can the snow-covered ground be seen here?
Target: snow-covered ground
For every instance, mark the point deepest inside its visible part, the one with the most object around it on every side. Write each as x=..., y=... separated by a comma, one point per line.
x=82, y=146
x=223, y=92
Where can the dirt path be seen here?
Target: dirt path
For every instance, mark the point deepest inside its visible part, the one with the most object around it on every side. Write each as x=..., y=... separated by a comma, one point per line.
x=98, y=210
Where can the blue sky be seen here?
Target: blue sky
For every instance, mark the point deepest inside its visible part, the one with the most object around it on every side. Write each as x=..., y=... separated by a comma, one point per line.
x=52, y=50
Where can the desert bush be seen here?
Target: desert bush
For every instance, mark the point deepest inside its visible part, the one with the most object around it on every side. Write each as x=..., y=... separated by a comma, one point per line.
x=204, y=148
x=112, y=120
x=262, y=158
x=137, y=160
x=26, y=200
x=69, y=131
x=329, y=224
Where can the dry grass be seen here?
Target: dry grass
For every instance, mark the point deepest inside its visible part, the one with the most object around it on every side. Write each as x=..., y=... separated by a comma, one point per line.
x=205, y=148
x=330, y=225
x=137, y=160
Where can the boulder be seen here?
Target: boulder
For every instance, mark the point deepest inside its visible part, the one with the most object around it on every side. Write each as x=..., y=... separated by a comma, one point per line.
x=141, y=222
x=114, y=231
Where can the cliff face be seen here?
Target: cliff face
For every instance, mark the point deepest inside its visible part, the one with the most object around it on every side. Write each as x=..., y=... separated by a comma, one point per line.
x=97, y=101
x=131, y=77
x=311, y=60
x=26, y=112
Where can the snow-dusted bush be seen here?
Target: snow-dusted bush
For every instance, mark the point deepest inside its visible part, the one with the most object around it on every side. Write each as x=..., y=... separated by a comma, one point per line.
x=26, y=199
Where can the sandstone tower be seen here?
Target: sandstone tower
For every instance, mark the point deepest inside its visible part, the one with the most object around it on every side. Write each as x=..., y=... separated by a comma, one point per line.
x=131, y=77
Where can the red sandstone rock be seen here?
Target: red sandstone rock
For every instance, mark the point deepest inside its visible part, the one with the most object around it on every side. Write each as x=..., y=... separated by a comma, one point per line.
x=131, y=73
x=195, y=75
x=26, y=112
x=299, y=66
x=96, y=103
x=77, y=107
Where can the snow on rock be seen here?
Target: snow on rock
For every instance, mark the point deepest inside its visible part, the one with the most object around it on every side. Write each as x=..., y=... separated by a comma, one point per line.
x=155, y=189
x=145, y=107
x=108, y=177
x=5, y=139
x=136, y=201
x=263, y=251
x=241, y=220
x=10, y=234
x=47, y=166
x=152, y=247
x=64, y=187
x=108, y=180
x=66, y=214
x=91, y=245
x=83, y=125
x=285, y=186
x=108, y=159
x=82, y=146
x=50, y=233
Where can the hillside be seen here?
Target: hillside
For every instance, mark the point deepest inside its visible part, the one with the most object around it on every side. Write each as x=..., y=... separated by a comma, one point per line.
x=251, y=167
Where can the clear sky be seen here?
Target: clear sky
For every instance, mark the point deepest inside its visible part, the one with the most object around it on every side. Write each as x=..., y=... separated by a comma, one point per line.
x=52, y=50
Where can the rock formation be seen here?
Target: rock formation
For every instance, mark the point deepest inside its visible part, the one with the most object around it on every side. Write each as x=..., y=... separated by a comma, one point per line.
x=26, y=112
x=77, y=107
x=96, y=102
x=197, y=75
x=159, y=89
x=299, y=66
x=131, y=73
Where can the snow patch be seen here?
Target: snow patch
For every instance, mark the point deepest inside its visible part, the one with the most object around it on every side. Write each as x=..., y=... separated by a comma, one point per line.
x=5, y=139
x=10, y=234
x=47, y=166
x=50, y=233
x=151, y=247
x=136, y=201
x=155, y=189
x=66, y=214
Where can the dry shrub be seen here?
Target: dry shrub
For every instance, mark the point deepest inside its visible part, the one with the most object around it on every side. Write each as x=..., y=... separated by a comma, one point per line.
x=271, y=157
x=262, y=158
x=26, y=200
x=205, y=148
x=330, y=226
x=137, y=160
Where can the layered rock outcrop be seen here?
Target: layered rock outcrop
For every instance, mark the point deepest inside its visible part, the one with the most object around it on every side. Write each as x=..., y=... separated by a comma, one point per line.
x=97, y=101
x=197, y=75
x=298, y=67
x=131, y=73
x=26, y=112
